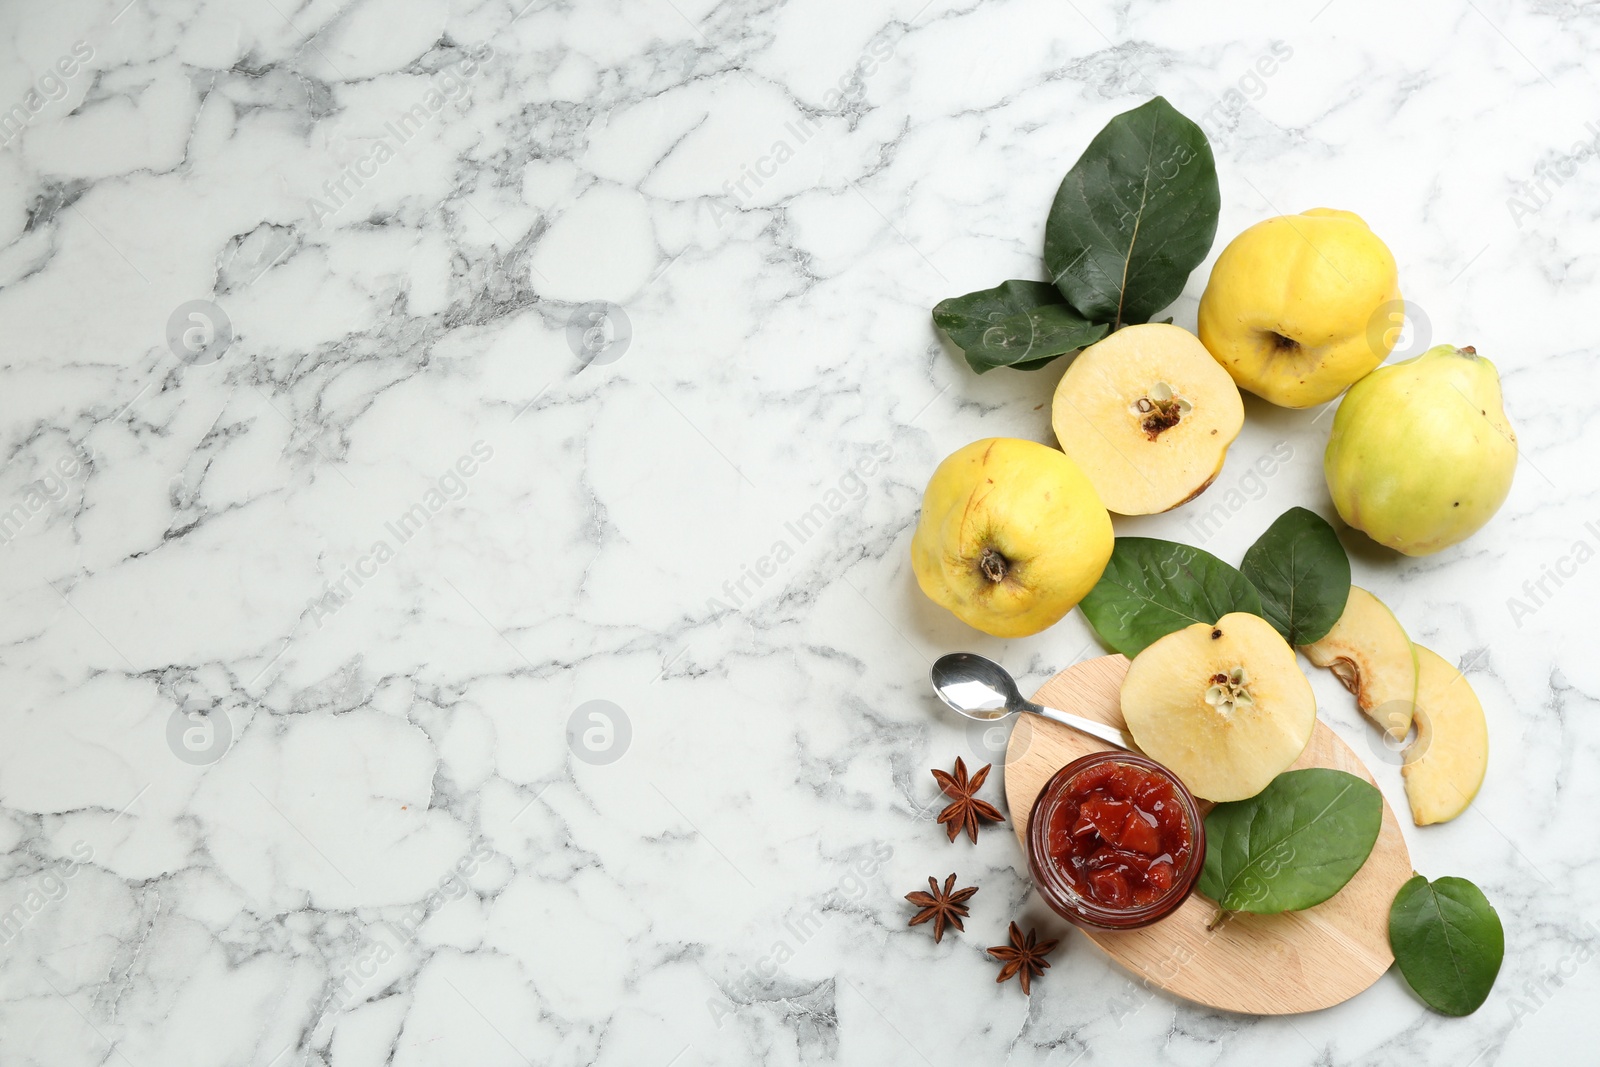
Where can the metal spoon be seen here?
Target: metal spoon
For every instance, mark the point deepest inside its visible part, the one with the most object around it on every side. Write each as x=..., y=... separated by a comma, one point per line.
x=981, y=689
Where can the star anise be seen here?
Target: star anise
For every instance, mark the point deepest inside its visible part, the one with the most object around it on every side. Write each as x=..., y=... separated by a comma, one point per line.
x=965, y=809
x=941, y=905
x=1025, y=959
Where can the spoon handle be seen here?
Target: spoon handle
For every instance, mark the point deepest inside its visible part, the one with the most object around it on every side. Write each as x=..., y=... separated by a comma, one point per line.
x=1109, y=734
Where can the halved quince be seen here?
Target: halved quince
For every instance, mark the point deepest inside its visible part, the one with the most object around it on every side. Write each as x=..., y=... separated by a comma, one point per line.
x=1148, y=415
x=1445, y=765
x=1369, y=652
x=1224, y=706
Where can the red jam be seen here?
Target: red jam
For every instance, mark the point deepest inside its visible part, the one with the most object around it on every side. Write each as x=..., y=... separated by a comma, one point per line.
x=1118, y=834
x=1116, y=841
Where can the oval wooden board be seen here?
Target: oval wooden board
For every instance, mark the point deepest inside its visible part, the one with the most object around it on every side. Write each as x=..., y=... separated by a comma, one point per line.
x=1261, y=964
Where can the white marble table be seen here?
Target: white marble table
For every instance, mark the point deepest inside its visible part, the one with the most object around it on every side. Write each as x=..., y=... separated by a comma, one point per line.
x=321, y=541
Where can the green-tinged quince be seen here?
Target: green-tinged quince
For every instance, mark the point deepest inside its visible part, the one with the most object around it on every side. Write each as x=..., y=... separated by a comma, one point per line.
x=1421, y=454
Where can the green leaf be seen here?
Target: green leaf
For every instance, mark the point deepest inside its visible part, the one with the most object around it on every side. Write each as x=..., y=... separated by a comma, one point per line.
x=1152, y=587
x=1133, y=216
x=1292, y=845
x=1302, y=573
x=1448, y=942
x=1016, y=324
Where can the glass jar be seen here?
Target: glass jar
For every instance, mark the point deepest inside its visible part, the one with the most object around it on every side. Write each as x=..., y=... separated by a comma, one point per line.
x=1115, y=841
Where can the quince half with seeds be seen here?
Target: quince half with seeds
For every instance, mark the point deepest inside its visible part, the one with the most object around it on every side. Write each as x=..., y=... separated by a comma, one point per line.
x=1149, y=416
x=1224, y=706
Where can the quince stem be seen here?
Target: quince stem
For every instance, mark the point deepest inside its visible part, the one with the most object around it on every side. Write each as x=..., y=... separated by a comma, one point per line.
x=993, y=565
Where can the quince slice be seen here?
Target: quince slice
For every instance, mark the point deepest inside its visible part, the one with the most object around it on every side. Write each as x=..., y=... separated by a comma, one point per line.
x=1445, y=765
x=1369, y=652
x=1224, y=706
x=1148, y=415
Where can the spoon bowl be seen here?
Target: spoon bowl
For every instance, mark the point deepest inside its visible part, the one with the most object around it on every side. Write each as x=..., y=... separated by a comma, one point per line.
x=981, y=689
x=976, y=687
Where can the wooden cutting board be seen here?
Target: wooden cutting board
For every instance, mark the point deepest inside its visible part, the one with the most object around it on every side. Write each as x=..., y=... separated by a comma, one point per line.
x=1261, y=964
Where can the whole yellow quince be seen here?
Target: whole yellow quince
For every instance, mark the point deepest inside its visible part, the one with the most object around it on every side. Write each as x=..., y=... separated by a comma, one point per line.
x=1012, y=535
x=1421, y=454
x=1300, y=306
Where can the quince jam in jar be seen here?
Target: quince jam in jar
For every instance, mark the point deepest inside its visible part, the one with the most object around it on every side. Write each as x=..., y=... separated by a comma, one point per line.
x=1115, y=841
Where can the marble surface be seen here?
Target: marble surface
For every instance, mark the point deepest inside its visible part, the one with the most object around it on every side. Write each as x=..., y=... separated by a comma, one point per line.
x=460, y=459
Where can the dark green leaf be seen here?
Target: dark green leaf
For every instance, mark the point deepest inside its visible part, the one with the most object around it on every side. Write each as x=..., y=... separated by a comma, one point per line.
x=1302, y=573
x=1133, y=216
x=1151, y=588
x=1032, y=364
x=1016, y=324
x=1448, y=942
x=1292, y=845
